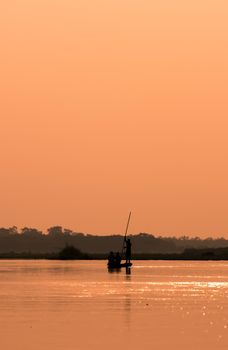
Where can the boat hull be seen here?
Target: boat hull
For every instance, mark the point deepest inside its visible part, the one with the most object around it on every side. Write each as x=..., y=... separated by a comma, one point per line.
x=118, y=266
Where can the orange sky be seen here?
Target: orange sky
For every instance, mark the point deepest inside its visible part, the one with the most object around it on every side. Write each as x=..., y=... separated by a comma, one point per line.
x=111, y=106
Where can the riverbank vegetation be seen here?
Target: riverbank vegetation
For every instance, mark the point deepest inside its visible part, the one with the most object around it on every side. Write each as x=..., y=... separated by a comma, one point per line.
x=56, y=238
x=30, y=243
x=72, y=253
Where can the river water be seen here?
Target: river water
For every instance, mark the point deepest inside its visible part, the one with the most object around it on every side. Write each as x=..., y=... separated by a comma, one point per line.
x=79, y=305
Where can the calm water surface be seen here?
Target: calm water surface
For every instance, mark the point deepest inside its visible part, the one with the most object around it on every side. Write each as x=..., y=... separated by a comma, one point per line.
x=80, y=305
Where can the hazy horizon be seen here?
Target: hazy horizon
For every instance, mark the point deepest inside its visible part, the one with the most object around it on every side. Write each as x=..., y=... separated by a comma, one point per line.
x=66, y=230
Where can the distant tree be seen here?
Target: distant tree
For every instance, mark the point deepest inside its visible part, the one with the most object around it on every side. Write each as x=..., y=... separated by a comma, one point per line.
x=30, y=232
x=144, y=234
x=184, y=238
x=55, y=231
x=13, y=230
x=78, y=234
x=4, y=232
x=70, y=253
x=67, y=232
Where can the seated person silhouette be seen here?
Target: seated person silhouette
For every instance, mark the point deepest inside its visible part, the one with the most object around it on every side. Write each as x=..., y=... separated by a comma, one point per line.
x=118, y=259
x=111, y=259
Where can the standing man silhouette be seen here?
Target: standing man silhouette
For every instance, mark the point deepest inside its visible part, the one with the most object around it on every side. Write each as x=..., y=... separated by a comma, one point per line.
x=128, y=250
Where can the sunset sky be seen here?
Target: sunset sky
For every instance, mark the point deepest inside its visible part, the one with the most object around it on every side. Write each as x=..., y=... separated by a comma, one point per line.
x=112, y=106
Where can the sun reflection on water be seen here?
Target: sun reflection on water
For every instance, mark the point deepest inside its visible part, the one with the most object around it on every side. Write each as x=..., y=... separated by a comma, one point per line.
x=159, y=305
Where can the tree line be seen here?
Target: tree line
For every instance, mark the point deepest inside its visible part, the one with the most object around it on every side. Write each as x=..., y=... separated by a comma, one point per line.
x=31, y=240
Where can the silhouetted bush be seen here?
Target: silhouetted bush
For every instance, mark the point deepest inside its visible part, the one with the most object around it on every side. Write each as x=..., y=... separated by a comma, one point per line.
x=71, y=253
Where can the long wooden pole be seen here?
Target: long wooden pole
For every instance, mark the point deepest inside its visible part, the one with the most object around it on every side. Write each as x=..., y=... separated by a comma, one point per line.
x=128, y=222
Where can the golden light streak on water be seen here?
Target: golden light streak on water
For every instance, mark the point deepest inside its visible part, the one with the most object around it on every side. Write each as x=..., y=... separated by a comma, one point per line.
x=53, y=305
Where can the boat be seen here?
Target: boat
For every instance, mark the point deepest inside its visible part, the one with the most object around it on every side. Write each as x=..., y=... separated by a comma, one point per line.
x=118, y=266
x=114, y=262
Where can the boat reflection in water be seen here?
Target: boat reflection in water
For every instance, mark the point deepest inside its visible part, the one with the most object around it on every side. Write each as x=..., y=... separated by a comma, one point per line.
x=118, y=269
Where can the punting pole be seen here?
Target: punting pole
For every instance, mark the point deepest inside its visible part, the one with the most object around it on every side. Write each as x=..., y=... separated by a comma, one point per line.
x=128, y=221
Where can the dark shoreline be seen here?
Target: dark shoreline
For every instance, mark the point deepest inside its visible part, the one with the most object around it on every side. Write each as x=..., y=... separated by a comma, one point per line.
x=72, y=253
x=174, y=257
